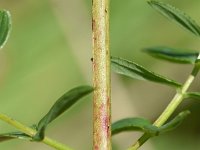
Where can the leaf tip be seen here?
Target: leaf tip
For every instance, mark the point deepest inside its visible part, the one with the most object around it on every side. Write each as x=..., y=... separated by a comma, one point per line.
x=5, y=27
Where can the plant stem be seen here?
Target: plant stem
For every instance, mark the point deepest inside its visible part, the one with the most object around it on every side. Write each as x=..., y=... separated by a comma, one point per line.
x=178, y=98
x=31, y=132
x=101, y=75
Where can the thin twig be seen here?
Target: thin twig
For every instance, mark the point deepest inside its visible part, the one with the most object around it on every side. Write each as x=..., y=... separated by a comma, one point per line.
x=178, y=98
x=31, y=132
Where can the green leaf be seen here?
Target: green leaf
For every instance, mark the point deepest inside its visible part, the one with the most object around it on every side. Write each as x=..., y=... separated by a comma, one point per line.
x=5, y=26
x=14, y=135
x=174, y=123
x=172, y=55
x=140, y=124
x=195, y=95
x=134, y=124
x=61, y=105
x=136, y=71
x=176, y=15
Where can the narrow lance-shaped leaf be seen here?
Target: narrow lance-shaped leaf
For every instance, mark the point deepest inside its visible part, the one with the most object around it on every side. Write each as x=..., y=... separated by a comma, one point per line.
x=134, y=124
x=176, y=15
x=61, y=105
x=174, y=123
x=14, y=135
x=136, y=71
x=194, y=95
x=5, y=26
x=140, y=124
x=173, y=55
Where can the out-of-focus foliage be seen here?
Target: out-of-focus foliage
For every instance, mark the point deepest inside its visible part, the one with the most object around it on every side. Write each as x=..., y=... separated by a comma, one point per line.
x=41, y=50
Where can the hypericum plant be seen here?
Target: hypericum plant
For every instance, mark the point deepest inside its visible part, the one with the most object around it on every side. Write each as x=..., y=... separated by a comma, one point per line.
x=101, y=84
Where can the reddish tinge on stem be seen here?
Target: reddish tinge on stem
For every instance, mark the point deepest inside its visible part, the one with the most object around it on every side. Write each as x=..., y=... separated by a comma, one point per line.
x=101, y=75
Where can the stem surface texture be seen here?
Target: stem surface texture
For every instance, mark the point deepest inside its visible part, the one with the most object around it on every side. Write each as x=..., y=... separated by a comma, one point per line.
x=101, y=75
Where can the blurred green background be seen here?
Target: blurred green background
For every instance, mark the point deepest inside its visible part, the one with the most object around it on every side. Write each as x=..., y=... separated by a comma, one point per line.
x=49, y=52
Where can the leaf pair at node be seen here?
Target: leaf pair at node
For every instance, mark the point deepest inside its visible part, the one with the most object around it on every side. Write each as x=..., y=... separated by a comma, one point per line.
x=62, y=104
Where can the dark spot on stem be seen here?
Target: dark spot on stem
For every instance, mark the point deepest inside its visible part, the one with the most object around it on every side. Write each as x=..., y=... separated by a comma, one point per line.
x=93, y=24
x=106, y=10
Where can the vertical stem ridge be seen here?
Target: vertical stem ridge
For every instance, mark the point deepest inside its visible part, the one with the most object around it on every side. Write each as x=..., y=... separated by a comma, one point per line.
x=101, y=75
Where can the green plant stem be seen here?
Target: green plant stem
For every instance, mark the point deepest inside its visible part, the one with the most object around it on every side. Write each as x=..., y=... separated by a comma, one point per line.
x=101, y=75
x=31, y=132
x=178, y=98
